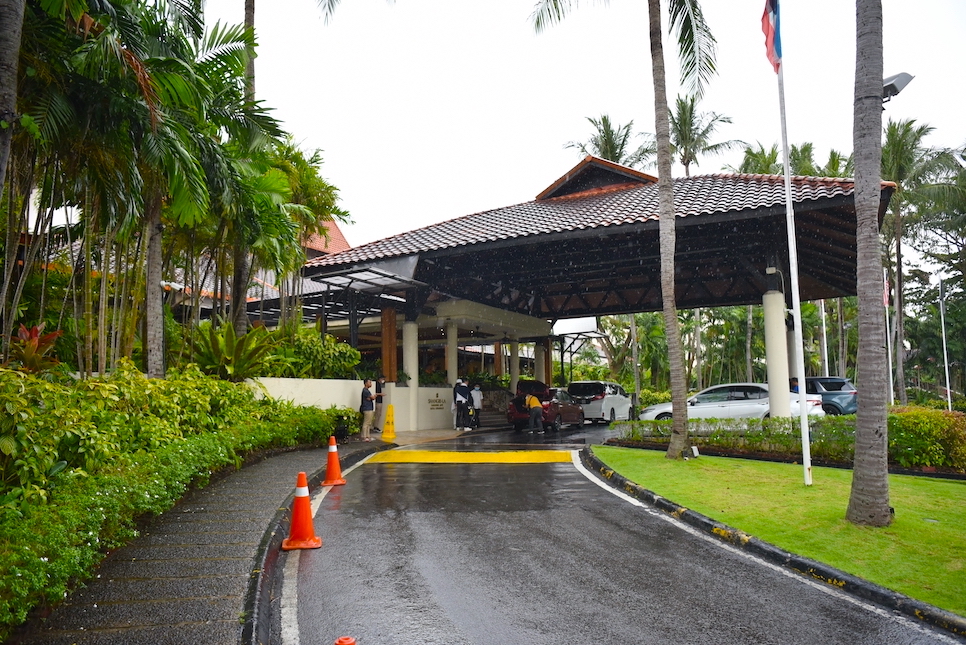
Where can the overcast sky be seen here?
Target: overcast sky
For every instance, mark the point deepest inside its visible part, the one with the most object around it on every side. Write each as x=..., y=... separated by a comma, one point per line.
x=426, y=110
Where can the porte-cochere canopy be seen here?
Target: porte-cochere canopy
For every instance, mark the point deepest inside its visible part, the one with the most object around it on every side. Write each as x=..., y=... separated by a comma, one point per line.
x=589, y=245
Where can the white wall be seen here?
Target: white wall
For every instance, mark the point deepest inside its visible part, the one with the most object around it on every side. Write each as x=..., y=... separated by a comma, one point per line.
x=433, y=413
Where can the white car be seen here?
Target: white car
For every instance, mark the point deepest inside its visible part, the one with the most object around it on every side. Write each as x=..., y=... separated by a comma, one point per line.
x=602, y=401
x=732, y=401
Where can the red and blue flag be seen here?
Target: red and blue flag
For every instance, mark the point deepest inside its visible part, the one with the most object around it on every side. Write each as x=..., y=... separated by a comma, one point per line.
x=771, y=25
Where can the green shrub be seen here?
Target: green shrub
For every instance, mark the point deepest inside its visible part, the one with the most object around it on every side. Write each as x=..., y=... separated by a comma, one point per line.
x=82, y=461
x=918, y=436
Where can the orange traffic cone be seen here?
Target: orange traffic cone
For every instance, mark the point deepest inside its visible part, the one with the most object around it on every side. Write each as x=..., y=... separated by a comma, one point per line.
x=333, y=470
x=345, y=640
x=301, y=534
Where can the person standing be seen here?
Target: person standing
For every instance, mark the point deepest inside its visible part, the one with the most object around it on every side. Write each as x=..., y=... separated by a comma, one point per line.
x=377, y=416
x=535, y=408
x=476, y=397
x=461, y=396
x=367, y=408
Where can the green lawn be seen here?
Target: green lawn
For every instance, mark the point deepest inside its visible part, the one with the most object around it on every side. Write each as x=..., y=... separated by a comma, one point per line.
x=922, y=554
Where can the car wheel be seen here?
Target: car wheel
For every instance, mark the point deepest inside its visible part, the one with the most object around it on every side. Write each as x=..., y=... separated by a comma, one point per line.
x=831, y=409
x=664, y=416
x=555, y=426
x=580, y=422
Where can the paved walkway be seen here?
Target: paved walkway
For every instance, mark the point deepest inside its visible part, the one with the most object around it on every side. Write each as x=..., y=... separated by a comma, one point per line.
x=192, y=575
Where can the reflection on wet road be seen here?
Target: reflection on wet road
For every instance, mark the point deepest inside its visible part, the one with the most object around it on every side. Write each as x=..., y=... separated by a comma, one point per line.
x=538, y=553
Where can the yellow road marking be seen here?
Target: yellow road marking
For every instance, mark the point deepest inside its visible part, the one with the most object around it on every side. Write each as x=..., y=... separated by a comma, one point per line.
x=455, y=457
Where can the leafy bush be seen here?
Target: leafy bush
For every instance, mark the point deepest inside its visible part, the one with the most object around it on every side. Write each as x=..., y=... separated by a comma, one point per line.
x=926, y=437
x=305, y=353
x=218, y=351
x=918, y=436
x=651, y=397
x=81, y=461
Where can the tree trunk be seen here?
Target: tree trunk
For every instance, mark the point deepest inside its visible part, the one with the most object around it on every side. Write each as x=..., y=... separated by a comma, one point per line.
x=749, y=367
x=869, y=498
x=843, y=341
x=11, y=17
x=153, y=309
x=665, y=190
x=900, y=352
x=635, y=358
x=698, y=362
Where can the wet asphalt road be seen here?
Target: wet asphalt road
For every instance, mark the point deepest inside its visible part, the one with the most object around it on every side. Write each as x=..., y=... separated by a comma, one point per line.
x=540, y=554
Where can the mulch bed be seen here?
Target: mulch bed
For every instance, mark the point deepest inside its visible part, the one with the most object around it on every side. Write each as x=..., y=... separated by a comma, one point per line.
x=714, y=451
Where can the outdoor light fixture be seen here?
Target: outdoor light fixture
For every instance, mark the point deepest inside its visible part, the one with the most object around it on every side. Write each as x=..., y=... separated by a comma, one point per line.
x=771, y=270
x=892, y=85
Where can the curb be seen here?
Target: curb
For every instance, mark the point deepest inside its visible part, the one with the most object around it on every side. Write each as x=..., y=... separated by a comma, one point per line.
x=848, y=583
x=256, y=628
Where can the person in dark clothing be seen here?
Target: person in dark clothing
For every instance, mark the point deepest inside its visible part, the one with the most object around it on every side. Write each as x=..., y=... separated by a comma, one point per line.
x=367, y=407
x=461, y=396
x=377, y=416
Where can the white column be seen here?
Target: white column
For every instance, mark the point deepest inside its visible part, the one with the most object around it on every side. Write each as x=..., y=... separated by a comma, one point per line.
x=776, y=353
x=410, y=334
x=452, y=352
x=539, y=363
x=514, y=365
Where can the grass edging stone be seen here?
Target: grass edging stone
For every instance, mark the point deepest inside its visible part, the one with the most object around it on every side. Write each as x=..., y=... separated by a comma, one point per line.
x=803, y=566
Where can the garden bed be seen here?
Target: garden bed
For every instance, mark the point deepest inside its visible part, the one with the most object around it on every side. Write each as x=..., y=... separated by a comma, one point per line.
x=782, y=457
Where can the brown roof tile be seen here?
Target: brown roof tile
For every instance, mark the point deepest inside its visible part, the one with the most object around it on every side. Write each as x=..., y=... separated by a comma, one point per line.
x=614, y=205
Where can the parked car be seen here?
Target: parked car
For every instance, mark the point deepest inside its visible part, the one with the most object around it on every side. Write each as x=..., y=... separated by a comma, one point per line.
x=602, y=401
x=838, y=394
x=559, y=408
x=732, y=401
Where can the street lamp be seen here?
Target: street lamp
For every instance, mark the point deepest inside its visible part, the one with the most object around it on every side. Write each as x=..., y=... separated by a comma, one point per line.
x=894, y=84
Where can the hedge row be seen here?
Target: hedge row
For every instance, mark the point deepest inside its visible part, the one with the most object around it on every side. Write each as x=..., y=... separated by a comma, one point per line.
x=83, y=461
x=918, y=436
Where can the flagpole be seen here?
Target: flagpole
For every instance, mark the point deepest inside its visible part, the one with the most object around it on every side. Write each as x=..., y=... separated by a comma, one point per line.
x=942, y=319
x=796, y=297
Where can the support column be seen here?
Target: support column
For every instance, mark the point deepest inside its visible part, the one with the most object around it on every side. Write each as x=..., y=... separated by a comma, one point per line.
x=776, y=353
x=498, y=359
x=452, y=353
x=548, y=361
x=539, y=364
x=411, y=368
x=389, y=353
x=514, y=365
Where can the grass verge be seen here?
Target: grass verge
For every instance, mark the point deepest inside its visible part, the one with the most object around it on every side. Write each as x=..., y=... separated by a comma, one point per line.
x=922, y=554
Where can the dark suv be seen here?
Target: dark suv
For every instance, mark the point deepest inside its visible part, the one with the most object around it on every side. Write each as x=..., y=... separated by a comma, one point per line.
x=839, y=396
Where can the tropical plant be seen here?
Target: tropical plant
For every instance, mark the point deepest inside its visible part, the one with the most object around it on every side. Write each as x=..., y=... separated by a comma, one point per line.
x=869, y=495
x=696, y=50
x=692, y=131
x=613, y=143
x=917, y=172
x=219, y=352
x=29, y=352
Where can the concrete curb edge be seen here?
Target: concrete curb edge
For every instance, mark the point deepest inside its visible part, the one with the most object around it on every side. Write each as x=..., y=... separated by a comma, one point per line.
x=848, y=583
x=256, y=626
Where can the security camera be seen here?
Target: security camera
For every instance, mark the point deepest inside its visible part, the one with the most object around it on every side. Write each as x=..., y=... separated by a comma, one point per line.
x=892, y=85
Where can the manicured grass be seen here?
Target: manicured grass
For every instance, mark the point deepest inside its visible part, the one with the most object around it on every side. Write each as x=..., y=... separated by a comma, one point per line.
x=922, y=554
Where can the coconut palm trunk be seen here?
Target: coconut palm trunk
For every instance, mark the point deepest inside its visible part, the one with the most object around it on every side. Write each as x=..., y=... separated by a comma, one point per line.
x=869, y=498
x=665, y=191
x=11, y=17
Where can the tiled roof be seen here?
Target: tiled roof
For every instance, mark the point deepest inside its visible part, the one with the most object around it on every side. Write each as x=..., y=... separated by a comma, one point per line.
x=616, y=205
x=334, y=243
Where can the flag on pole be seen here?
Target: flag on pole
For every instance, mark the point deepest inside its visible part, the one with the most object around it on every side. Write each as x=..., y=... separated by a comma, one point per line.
x=771, y=26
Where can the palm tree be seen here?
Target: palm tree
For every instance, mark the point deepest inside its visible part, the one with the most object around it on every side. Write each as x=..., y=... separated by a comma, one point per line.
x=911, y=165
x=696, y=50
x=11, y=17
x=613, y=143
x=869, y=496
x=691, y=133
x=759, y=161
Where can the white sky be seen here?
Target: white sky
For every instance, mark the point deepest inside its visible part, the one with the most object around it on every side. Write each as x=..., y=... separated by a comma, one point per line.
x=428, y=110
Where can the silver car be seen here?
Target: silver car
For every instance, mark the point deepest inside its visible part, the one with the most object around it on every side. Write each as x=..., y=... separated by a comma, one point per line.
x=732, y=401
